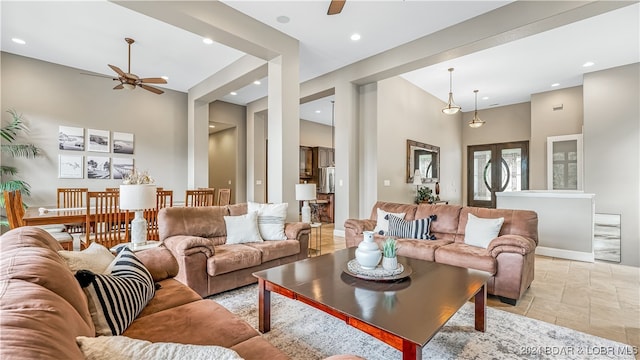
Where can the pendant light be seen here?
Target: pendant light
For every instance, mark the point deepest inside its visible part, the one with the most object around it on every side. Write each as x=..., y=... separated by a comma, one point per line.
x=451, y=107
x=476, y=122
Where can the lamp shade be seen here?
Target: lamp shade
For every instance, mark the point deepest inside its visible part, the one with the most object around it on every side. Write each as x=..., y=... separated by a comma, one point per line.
x=305, y=192
x=417, y=177
x=137, y=197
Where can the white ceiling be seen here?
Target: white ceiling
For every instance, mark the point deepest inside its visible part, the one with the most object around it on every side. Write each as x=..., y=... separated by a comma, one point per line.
x=90, y=35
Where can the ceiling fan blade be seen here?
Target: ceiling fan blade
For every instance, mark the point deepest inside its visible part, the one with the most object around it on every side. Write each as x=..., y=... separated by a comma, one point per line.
x=117, y=70
x=153, y=81
x=99, y=75
x=152, y=89
x=118, y=87
x=335, y=7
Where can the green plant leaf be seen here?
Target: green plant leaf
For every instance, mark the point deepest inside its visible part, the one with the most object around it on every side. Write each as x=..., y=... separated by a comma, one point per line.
x=8, y=170
x=21, y=150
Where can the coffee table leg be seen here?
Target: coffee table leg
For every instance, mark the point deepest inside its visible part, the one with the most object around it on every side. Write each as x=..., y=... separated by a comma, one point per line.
x=411, y=351
x=264, y=307
x=481, y=308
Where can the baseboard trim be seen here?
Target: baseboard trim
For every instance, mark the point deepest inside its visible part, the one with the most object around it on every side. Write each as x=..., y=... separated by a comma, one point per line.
x=565, y=254
x=339, y=233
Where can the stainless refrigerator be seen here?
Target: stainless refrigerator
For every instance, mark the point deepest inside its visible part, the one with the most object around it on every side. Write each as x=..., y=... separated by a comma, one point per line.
x=326, y=180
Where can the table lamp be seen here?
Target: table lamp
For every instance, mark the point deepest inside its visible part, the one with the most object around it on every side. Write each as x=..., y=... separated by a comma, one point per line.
x=138, y=197
x=304, y=193
x=417, y=178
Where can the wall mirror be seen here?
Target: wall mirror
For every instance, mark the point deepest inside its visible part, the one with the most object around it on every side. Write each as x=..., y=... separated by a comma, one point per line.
x=423, y=157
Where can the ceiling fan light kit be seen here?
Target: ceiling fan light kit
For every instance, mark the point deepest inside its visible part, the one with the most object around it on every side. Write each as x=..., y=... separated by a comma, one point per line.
x=130, y=81
x=476, y=122
x=451, y=107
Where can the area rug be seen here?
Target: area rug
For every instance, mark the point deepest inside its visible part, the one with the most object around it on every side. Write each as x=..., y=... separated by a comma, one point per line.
x=303, y=332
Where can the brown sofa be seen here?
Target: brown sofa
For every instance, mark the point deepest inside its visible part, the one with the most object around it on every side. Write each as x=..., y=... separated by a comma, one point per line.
x=509, y=257
x=196, y=236
x=43, y=309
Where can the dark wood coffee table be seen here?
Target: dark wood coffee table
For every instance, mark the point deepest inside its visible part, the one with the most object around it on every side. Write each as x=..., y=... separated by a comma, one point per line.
x=404, y=314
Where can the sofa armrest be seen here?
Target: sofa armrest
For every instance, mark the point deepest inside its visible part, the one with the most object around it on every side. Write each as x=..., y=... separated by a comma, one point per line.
x=184, y=245
x=296, y=229
x=160, y=262
x=358, y=226
x=511, y=243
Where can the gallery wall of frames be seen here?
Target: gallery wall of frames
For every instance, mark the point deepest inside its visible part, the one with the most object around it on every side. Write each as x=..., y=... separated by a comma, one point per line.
x=96, y=154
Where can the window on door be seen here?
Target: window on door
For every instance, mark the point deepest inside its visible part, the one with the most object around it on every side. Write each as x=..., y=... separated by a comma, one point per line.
x=496, y=167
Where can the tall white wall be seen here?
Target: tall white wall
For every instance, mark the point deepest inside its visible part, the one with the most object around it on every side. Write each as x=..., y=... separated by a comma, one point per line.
x=50, y=95
x=612, y=150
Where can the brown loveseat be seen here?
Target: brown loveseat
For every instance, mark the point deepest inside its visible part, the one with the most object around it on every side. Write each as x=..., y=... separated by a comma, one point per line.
x=197, y=238
x=43, y=309
x=509, y=257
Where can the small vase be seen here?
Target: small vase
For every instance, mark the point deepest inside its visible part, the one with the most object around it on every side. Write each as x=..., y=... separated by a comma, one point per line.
x=368, y=254
x=390, y=263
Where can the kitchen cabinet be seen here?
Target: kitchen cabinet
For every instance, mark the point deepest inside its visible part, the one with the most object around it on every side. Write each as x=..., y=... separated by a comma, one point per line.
x=306, y=162
x=324, y=156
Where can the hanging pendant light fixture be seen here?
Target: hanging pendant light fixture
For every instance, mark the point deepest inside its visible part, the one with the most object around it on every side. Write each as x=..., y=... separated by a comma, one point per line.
x=476, y=122
x=451, y=107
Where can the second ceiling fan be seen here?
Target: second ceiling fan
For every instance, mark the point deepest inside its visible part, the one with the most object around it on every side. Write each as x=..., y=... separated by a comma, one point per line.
x=131, y=81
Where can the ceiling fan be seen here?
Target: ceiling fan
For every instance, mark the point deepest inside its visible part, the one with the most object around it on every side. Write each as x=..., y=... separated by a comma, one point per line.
x=130, y=81
x=335, y=7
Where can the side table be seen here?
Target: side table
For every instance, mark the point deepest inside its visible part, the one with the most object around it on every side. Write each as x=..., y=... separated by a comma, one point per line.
x=316, y=231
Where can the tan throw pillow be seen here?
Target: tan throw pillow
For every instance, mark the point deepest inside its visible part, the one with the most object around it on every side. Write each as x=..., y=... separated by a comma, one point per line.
x=479, y=231
x=242, y=228
x=95, y=258
x=122, y=347
x=271, y=219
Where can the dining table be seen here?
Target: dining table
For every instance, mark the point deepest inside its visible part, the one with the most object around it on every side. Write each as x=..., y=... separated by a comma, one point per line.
x=34, y=216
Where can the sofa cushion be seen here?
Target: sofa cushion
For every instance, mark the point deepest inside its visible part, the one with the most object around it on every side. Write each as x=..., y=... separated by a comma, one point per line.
x=272, y=250
x=171, y=293
x=242, y=228
x=480, y=231
x=516, y=222
x=231, y=257
x=271, y=219
x=420, y=249
x=463, y=255
x=122, y=347
x=201, y=221
x=95, y=258
x=414, y=229
x=448, y=218
x=408, y=209
x=382, y=221
x=115, y=300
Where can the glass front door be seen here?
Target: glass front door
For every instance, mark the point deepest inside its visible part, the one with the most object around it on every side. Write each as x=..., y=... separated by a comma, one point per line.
x=494, y=168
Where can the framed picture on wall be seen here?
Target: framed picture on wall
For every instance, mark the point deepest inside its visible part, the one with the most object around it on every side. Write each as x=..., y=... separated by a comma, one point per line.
x=122, y=143
x=98, y=140
x=121, y=167
x=98, y=167
x=70, y=166
x=71, y=138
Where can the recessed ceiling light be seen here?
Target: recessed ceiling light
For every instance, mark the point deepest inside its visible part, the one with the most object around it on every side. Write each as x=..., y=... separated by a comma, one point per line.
x=211, y=126
x=318, y=111
x=18, y=41
x=588, y=63
x=485, y=98
x=164, y=77
x=355, y=37
x=283, y=19
x=207, y=41
x=257, y=82
x=233, y=93
x=555, y=84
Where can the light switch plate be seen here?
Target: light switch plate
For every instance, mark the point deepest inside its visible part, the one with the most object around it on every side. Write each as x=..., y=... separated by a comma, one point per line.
x=387, y=183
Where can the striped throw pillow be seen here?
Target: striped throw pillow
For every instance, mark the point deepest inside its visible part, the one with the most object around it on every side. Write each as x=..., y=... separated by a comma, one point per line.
x=116, y=298
x=415, y=229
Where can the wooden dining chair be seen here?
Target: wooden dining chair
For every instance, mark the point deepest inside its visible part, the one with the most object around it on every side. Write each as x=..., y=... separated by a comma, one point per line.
x=224, y=197
x=72, y=198
x=115, y=189
x=200, y=197
x=106, y=224
x=164, y=198
x=15, y=212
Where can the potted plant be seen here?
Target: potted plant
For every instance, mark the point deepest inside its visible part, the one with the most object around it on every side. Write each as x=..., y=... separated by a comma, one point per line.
x=10, y=133
x=390, y=254
x=424, y=194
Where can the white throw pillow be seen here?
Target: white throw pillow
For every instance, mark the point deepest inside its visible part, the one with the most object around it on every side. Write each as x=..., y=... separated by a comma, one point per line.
x=382, y=224
x=271, y=219
x=125, y=348
x=479, y=231
x=242, y=228
x=95, y=258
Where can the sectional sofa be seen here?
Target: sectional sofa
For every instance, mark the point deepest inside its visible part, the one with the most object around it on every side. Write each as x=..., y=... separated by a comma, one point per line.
x=509, y=257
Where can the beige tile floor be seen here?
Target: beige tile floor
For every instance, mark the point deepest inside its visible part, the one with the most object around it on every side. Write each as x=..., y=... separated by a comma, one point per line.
x=601, y=299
